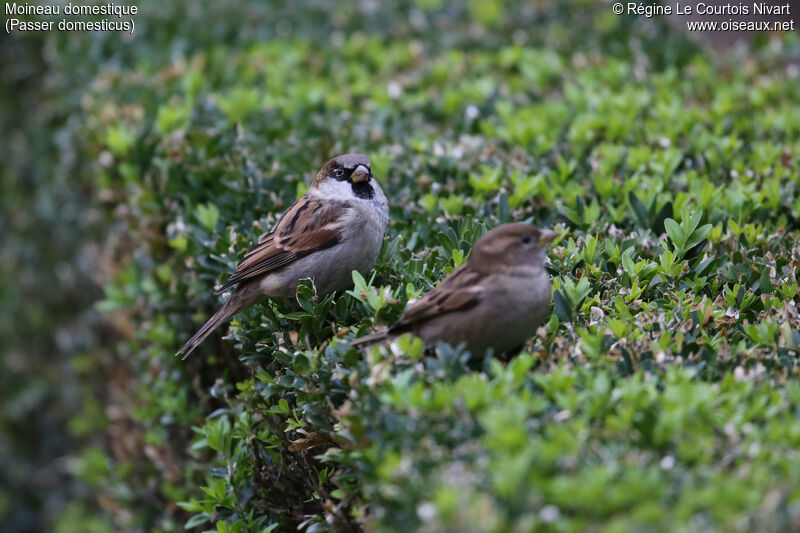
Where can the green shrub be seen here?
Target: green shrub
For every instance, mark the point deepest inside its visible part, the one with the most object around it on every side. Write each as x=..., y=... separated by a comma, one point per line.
x=660, y=394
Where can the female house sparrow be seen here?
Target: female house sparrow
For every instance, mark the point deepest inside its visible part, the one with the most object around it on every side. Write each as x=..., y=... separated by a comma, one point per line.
x=496, y=299
x=333, y=229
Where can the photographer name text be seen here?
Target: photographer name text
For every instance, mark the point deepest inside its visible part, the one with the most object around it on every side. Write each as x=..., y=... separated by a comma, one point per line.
x=755, y=9
x=700, y=8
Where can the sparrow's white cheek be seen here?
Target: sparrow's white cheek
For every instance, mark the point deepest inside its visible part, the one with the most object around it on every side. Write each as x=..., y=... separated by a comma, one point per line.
x=336, y=190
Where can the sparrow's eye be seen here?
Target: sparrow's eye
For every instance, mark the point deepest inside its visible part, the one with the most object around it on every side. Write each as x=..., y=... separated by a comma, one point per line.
x=339, y=172
x=526, y=239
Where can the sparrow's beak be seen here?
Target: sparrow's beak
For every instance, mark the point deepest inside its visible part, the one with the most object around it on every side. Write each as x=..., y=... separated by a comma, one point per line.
x=546, y=235
x=360, y=174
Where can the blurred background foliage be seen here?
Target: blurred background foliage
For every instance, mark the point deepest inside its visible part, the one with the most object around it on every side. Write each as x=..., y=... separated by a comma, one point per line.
x=134, y=169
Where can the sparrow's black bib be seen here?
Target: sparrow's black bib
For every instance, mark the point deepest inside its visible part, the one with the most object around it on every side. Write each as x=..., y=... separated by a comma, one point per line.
x=363, y=190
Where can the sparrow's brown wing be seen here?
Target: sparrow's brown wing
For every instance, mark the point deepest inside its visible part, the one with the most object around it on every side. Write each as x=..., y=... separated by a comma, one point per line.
x=307, y=226
x=460, y=290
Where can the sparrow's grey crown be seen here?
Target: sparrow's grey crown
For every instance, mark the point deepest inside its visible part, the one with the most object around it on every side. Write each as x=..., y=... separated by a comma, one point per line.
x=351, y=161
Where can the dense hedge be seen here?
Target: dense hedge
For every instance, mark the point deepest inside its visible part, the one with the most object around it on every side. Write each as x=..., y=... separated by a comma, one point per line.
x=659, y=395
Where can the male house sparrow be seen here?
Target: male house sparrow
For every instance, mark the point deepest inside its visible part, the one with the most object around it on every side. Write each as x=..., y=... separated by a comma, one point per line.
x=333, y=229
x=496, y=299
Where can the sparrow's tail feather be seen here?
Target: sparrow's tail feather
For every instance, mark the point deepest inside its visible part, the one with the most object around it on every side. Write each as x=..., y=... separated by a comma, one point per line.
x=242, y=297
x=366, y=340
x=213, y=323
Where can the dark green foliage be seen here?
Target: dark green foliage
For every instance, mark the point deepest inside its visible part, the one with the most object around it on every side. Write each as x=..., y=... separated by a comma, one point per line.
x=660, y=395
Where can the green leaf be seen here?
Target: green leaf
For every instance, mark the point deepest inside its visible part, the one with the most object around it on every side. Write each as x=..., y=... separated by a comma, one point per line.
x=628, y=265
x=675, y=232
x=359, y=283
x=695, y=250
x=701, y=232
x=639, y=208
x=207, y=215
x=120, y=139
x=562, y=307
x=197, y=520
x=764, y=284
x=663, y=214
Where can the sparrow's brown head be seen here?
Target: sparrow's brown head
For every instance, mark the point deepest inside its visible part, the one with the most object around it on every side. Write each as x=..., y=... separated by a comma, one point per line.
x=350, y=169
x=355, y=168
x=511, y=245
